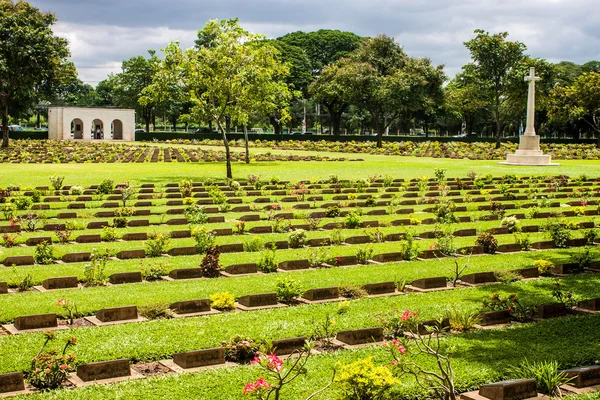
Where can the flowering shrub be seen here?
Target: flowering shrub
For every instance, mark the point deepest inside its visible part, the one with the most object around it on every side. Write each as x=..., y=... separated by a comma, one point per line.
x=352, y=220
x=518, y=311
x=297, y=238
x=559, y=232
x=488, y=242
x=70, y=307
x=49, y=370
x=511, y=222
x=363, y=380
x=44, y=253
x=204, y=238
x=544, y=267
x=185, y=188
x=396, y=322
x=195, y=214
x=240, y=349
x=106, y=187
x=267, y=261
x=223, y=301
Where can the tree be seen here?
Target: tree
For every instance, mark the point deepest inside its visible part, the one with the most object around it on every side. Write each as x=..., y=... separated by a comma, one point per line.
x=580, y=101
x=329, y=91
x=30, y=55
x=128, y=85
x=494, y=59
x=323, y=47
x=383, y=80
x=464, y=100
x=225, y=78
x=566, y=72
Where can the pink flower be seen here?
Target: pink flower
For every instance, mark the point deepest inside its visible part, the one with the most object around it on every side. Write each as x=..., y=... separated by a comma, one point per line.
x=61, y=302
x=401, y=349
x=433, y=246
x=406, y=316
x=274, y=363
x=259, y=384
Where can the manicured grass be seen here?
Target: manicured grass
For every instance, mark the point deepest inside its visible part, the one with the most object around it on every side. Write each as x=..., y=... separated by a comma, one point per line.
x=159, y=339
x=478, y=358
x=399, y=167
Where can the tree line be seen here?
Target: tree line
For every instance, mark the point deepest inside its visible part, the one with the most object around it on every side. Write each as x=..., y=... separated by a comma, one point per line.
x=232, y=78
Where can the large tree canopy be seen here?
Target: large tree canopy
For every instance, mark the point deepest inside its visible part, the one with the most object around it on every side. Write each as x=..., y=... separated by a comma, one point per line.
x=224, y=78
x=31, y=57
x=383, y=80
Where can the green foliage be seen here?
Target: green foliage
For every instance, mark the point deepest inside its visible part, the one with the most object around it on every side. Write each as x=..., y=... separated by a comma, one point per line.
x=204, y=238
x=44, y=253
x=409, y=247
x=8, y=210
x=507, y=276
x=106, y=187
x=155, y=311
x=210, y=265
x=154, y=272
x=267, y=261
x=23, y=202
x=287, y=289
x=157, y=244
x=94, y=274
x=488, y=242
x=297, y=238
x=362, y=380
x=364, y=254
x=254, y=244
x=109, y=234
x=57, y=181
x=523, y=241
x=518, y=311
x=512, y=223
x=185, y=187
x=281, y=225
x=547, y=376
x=196, y=214
x=559, y=232
x=352, y=220
x=462, y=320
x=544, y=267
x=318, y=256
x=223, y=301
x=352, y=292
x=22, y=284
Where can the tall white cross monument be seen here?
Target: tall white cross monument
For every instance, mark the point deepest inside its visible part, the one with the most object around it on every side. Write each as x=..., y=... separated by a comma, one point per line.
x=529, y=152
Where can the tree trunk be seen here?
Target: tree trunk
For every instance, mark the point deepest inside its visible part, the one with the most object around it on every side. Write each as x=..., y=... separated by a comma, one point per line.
x=5, y=125
x=174, y=123
x=146, y=117
x=228, y=125
x=336, y=116
x=153, y=122
x=277, y=128
x=187, y=125
x=247, y=146
x=498, y=133
x=38, y=121
x=380, y=130
x=227, y=152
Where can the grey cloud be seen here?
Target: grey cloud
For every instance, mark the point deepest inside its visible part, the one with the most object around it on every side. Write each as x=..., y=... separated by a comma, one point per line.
x=110, y=31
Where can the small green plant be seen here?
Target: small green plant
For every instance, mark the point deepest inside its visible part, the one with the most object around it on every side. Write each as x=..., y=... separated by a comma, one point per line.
x=488, y=242
x=76, y=190
x=70, y=308
x=239, y=227
x=254, y=244
x=352, y=292
x=154, y=272
x=210, y=265
x=440, y=174
x=64, y=235
x=375, y=235
x=332, y=212
x=106, y=187
x=155, y=311
x=50, y=369
x=57, y=181
x=583, y=258
x=121, y=214
x=362, y=380
x=352, y=220
x=267, y=263
x=94, y=274
x=281, y=225
x=505, y=276
x=223, y=301
x=185, y=188
x=8, y=210
x=462, y=320
x=127, y=191
x=217, y=196
x=31, y=221
x=561, y=296
x=44, y=254
x=518, y=311
x=204, y=238
x=297, y=238
x=318, y=256
x=157, y=244
x=559, y=232
x=363, y=255
x=336, y=237
x=287, y=290
x=23, y=202
x=523, y=241
x=109, y=234
x=544, y=267
x=409, y=247
x=547, y=376
x=22, y=284
x=512, y=223
x=8, y=240
x=195, y=214
x=592, y=236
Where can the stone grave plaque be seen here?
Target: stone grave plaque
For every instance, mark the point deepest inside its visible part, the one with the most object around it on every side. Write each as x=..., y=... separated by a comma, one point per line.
x=231, y=248
x=494, y=317
x=361, y=336
x=591, y=305
x=88, y=238
x=200, y=358
x=322, y=294
x=239, y=269
x=380, y=288
x=584, y=376
x=104, y=370
x=117, y=314
x=258, y=300
x=129, y=254
x=37, y=240
x=546, y=311
x=39, y=321
x=63, y=282
x=430, y=283
x=532, y=272
x=288, y=346
x=125, y=277
x=478, y=278
x=191, y=306
x=12, y=382
x=135, y=236
x=18, y=261
x=291, y=265
x=3, y=287
x=387, y=257
x=186, y=273
x=76, y=257
x=183, y=251
x=515, y=389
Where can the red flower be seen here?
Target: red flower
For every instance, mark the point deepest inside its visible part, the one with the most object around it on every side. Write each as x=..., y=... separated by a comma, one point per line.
x=259, y=384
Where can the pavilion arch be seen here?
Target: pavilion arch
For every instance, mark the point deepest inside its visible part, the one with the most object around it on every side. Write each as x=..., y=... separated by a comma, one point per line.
x=117, y=130
x=77, y=129
x=97, y=123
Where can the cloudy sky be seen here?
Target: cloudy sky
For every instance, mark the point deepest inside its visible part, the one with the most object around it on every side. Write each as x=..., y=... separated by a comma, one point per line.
x=103, y=33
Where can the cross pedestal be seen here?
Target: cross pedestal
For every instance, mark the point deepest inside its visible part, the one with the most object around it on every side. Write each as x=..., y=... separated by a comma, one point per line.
x=529, y=152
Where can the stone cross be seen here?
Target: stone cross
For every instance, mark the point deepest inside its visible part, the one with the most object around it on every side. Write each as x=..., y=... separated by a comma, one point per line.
x=530, y=129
